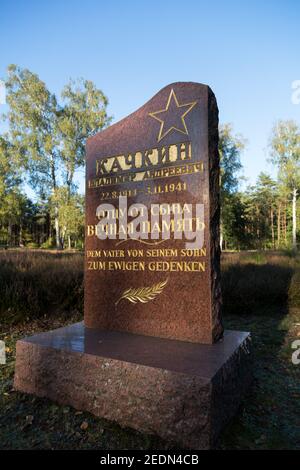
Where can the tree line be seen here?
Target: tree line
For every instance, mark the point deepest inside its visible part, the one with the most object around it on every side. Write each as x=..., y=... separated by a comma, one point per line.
x=264, y=215
x=44, y=147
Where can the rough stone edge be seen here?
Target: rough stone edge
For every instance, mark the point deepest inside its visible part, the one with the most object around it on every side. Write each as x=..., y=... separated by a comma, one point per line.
x=214, y=212
x=237, y=375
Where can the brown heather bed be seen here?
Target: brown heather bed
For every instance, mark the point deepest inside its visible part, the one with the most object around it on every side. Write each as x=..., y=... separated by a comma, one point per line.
x=261, y=293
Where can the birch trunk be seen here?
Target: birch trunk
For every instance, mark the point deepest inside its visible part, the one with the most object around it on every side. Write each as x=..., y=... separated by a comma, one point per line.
x=294, y=208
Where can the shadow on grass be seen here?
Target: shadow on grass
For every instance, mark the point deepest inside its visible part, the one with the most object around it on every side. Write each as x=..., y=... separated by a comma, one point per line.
x=246, y=287
x=263, y=299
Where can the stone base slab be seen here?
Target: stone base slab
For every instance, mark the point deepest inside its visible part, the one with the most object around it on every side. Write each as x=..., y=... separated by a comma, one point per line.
x=183, y=392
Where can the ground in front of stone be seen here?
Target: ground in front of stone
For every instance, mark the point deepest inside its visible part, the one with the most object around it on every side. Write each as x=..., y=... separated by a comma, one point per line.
x=267, y=418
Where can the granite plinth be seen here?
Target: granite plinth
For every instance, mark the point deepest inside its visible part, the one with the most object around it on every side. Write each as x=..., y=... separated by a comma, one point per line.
x=183, y=392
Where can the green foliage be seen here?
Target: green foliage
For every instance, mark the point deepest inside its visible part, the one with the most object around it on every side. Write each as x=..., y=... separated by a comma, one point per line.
x=11, y=199
x=285, y=152
x=82, y=115
x=260, y=211
x=32, y=245
x=71, y=213
x=262, y=217
x=233, y=222
x=48, y=138
x=48, y=244
x=230, y=148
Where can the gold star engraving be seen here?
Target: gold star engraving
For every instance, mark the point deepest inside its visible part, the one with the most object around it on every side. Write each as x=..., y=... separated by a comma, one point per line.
x=172, y=117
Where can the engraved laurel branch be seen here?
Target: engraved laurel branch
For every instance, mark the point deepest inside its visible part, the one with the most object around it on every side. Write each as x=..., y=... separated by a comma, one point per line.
x=142, y=294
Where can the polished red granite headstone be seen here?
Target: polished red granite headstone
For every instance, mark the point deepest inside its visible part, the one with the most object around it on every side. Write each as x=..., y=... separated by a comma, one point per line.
x=165, y=152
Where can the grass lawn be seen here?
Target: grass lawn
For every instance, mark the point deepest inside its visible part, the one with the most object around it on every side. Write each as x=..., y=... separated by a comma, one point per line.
x=269, y=415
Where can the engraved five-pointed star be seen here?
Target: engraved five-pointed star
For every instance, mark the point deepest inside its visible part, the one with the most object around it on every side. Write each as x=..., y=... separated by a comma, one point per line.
x=172, y=117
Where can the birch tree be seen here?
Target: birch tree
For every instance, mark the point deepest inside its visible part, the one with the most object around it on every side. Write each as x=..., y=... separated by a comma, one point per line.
x=33, y=130
x=230, y=148
x=285, y=153
x=50, y=136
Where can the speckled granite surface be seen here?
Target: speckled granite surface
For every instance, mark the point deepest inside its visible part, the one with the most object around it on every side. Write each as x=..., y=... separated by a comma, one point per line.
x=183, y=392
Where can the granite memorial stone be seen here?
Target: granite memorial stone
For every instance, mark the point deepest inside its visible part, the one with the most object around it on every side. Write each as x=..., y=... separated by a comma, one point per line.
x=165, y=154
x=151, y=353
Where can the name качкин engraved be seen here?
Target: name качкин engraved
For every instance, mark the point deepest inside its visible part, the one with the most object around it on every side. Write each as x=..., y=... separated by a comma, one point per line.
x=142, y=160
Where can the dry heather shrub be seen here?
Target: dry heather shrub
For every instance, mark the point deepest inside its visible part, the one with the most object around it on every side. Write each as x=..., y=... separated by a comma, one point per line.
x=37, y=283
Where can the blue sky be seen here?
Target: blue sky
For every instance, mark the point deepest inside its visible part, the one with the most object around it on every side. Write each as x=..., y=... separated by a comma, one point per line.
x=248, y=52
